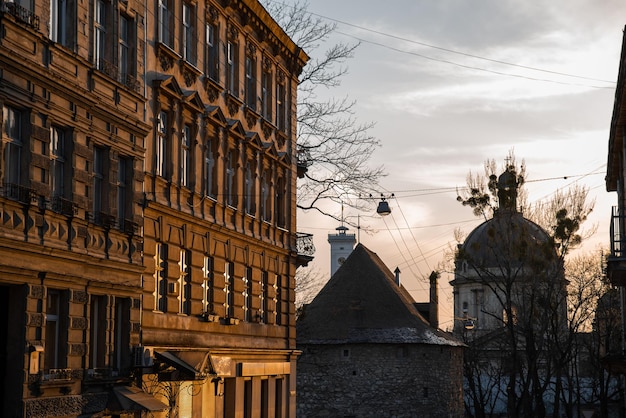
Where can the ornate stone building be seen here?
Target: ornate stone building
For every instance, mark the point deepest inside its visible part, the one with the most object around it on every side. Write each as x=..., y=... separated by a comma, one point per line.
x=71, y=168
x=220, y=216
x=147, y=216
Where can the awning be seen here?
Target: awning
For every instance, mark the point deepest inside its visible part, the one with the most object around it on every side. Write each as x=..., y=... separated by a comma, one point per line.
x=191, y=364
x=135, y=399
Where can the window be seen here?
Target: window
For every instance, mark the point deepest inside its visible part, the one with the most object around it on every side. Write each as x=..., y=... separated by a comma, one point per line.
x=210, y=169
x=229, y=277
x=185, y=156
x=100, y=189
x=121, y=346
x=231, y=178
x=207, y=285
x=124, y=188
x=251, y=82
x=165, y=23
x=100, y=34
x=160, y=276
x=231, y=68
x=263, y=297
x=278, y=401
x=62, y=20
x=162, y=144
x=189, y=33
x=127, y=56
x=57, y=166
x=56, y=330
x=266, y=200
x=98, y=332
x=247, y=295
x=212, y=52
x=266, y=95
x=278, y=299
x=281, y=107
x=250, y=194
x=280, y=202
x=184, y=282
x=12, y=143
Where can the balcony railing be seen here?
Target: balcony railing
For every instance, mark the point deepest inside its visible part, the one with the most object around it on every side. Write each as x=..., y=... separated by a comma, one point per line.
x=305, y=248
x=114, y=72
x=616, y=261
x=63, y=206
x=20, y=193
x=20, y=13
x=618, y=240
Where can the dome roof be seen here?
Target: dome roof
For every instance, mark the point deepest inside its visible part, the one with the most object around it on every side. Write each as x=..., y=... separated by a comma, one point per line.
x=508, y=239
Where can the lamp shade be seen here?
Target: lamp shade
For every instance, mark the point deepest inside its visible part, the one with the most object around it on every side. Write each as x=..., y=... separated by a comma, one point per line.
x=383, y=208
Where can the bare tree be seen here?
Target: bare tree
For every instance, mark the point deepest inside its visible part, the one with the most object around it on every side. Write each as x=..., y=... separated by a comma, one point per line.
x=334, y=149
x=521, y=268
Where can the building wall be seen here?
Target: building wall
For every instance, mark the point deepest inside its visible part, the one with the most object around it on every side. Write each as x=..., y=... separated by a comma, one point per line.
x=71, y=268
x=376, y=380
x=219, y=219
x=80, y=253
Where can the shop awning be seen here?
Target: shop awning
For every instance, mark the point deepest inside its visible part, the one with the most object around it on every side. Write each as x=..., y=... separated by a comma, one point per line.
x=134, y=399
x=190, y=364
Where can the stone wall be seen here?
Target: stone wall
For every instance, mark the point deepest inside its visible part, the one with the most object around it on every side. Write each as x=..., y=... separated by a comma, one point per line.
x=380, y=380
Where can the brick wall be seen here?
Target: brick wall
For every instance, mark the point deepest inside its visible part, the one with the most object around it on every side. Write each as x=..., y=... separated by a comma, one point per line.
x=380, y=380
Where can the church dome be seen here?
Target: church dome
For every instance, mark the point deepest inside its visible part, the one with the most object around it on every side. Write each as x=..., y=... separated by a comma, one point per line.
x=507, y=240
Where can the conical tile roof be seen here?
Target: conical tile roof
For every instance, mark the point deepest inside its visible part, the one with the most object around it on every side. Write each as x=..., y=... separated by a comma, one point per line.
x=361, y=303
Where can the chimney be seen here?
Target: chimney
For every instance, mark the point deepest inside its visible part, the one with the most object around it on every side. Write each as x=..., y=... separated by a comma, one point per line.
x=433, y=305
x=397, y=271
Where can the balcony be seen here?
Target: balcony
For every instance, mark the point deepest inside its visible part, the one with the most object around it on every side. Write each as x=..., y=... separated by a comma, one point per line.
x=63, y=206
x=305, y=248
x=20, y=193
x=616, y=262
x=21, y=14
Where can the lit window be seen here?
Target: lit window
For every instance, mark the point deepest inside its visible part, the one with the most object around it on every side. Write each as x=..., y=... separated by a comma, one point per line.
x=247, y=295
x=162, y=145
x=229, y=277
x=278, y=299
x=281, y=107
x=160, y=276
x=184, y=282
x=207, y=285
x=231, y=178
x=263, y=297
x=185, y=156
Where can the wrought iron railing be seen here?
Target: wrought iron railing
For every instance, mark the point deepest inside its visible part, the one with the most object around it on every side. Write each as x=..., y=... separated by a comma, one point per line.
x=20, y=193
x=20, y=13
x=304, y=244
x=618, y=240
x=63, y=206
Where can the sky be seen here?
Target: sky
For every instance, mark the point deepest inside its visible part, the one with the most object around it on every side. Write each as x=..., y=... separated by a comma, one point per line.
x=450, y=84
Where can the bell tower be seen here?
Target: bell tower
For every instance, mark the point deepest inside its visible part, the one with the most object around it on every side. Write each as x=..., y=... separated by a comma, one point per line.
x=341, y=245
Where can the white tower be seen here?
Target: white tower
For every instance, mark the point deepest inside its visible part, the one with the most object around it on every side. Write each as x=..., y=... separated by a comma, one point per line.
x=341, y=245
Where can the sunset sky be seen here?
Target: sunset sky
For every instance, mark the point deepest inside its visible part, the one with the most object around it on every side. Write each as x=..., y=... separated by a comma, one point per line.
x=452, y=83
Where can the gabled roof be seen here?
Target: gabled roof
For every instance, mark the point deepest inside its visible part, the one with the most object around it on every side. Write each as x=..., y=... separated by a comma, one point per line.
x=361, y=303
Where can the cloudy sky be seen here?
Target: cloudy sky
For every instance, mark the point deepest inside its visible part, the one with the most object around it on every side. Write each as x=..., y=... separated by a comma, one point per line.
x=452, y=83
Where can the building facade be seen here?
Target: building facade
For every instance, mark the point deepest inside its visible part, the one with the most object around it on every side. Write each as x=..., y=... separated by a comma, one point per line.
x=615, y=361
x=219, y=218
x=71, y=168
x=147, y=209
